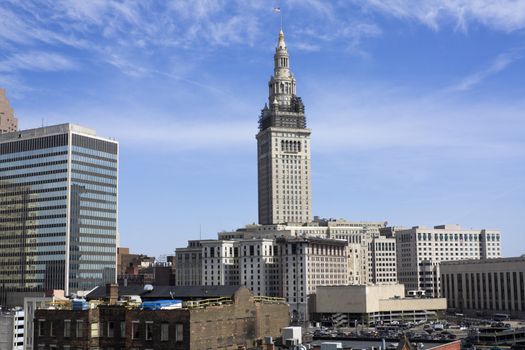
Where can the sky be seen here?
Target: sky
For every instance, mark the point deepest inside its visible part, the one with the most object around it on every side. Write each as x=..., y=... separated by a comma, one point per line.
x=417, y=108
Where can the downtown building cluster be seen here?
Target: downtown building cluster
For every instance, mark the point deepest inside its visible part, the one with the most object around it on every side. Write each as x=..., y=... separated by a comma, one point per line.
x=290, y=253
x=59, y=229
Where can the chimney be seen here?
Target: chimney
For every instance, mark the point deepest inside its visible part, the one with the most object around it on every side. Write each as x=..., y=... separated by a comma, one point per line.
x=112, y=293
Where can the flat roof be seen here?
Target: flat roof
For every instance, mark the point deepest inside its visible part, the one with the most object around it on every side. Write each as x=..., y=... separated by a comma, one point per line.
x=168, y=292
x=49, y=130
x=367, y=344
x=484, y=261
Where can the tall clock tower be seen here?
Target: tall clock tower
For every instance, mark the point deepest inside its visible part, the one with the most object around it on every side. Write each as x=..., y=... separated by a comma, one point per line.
x=283, y=149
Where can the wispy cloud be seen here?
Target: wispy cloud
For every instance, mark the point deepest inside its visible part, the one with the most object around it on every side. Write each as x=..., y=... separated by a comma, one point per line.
x=497, y=65
x=503, y=15
x=36, y=61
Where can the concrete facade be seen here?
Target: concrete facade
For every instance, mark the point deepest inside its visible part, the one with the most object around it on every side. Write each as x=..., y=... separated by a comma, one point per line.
x=420, y=250
x=373, y=303
x=382, y=261
x=8, y=121
x=283, y=149
x=485, y=286
x=30, y=305
x=358, y=234
x=288, y=267
x=12, y=329
x=189, y=264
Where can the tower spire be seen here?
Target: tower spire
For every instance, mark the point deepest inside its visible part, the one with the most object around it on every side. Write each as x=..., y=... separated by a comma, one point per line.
x=283, y=149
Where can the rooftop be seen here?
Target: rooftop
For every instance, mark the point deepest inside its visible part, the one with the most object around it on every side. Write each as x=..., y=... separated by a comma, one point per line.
x=484, y=261
x=168, y=292
x=47, y=131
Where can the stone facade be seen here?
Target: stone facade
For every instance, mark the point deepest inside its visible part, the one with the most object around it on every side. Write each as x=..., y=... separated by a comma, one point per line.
x=485, y=286
x=420, y=250
x=372, y=303
x=382, y=265
x=283, y=149
x=8, y=122
x=219, y=326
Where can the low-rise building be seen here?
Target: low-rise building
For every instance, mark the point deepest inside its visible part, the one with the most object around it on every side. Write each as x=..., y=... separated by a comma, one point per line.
x=231, y=321
x=371, y=304
x=12, y=329
x=485, y=286
x=30, y=305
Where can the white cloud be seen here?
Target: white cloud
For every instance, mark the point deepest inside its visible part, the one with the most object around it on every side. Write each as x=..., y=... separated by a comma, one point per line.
x=36, y=61
x=499, y=64
x=503, y=15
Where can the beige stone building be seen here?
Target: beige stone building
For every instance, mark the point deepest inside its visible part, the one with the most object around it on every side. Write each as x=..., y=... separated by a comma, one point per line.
x=8, y=122
x=283, y=149
x=362, y=255
x=420, y=250
x=371, y=303
x=487, y=286
x=288, y=267
x=382, y=262
x=189, y=264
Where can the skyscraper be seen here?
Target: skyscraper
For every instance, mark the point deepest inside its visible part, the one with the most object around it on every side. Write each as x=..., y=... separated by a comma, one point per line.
x=8, y=122
x=283, y=149
x=58, y=210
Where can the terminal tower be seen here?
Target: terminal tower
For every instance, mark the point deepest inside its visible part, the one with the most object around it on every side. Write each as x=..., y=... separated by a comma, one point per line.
x=283, y=149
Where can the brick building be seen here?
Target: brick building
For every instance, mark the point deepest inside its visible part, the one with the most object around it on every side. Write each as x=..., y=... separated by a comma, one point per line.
x=236, y=321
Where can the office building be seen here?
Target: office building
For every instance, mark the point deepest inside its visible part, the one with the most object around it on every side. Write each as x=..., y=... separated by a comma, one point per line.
x=8, y=121
x=189, y=264
x=371, y=304
x=495, y=286
x=307, y=263
x=283, y=149
x=382, y=261
x=288, y=267
x=58, y=216
x=420, y=250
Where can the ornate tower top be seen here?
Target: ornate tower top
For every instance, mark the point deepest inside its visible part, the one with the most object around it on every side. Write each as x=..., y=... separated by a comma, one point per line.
x=282, y=98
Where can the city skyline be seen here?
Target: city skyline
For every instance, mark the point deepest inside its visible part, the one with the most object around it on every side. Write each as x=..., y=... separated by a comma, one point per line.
x=415, y=112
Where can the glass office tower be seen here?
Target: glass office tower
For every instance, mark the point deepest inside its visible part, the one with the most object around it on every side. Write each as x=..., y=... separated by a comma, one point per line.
x=58, y=209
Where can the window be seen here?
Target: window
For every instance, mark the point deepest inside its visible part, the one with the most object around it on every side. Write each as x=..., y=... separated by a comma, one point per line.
x=111, y=329
x=164, y=332
x=41, y=327
x=135, y=332
x=149, y=330
x=51, y=328
x=179, y=332
x=80, y=328
x=67, y=328
x=123, y=329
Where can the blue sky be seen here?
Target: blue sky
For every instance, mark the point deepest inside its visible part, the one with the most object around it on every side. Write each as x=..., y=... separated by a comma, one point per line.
x=417, y=108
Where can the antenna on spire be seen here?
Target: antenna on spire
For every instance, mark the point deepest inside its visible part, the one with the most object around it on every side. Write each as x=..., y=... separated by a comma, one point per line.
x=277, y=9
